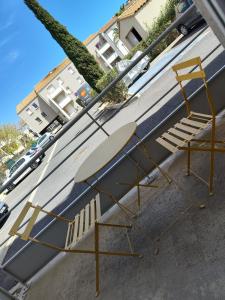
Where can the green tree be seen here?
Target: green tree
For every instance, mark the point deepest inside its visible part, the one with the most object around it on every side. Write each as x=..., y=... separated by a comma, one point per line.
x=8, y=133
x=8, y=139
x=119, y=92
x=74, y=49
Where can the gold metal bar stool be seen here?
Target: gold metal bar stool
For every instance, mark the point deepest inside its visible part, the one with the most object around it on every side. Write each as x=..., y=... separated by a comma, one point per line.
x=183, y=135
x=88, y=218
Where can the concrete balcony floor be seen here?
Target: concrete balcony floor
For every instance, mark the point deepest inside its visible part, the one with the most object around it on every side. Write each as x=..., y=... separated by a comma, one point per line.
x=180, y=232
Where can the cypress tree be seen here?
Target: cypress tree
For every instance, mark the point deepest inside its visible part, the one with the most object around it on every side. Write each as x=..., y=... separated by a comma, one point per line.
x=84, y=62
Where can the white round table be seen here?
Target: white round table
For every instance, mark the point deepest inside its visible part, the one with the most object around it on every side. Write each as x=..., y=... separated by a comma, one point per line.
x=105, y=152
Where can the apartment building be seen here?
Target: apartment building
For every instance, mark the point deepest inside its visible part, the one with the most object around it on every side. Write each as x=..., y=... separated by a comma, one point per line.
x=53, y=99
x=137, y=18
x=105, y=45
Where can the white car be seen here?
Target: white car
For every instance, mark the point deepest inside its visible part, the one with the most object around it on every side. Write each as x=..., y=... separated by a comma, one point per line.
x=17, y=166
x=3, y=211
x=136, y=71
x=43, y=140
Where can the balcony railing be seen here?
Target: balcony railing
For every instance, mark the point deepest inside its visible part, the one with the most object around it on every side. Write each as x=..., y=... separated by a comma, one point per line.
x=64, y=102
x=17, y=254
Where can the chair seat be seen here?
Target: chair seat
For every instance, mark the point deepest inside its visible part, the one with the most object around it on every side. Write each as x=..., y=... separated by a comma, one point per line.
x=184, y=131
x=83, y=222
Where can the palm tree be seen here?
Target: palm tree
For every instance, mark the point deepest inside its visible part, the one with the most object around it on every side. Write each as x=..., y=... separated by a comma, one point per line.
x=74, y=49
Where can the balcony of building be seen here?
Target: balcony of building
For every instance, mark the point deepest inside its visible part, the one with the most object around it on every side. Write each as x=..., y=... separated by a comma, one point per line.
x=179, y=229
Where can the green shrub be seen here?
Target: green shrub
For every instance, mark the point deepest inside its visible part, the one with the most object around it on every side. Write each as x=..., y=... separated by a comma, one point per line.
x=117, y=94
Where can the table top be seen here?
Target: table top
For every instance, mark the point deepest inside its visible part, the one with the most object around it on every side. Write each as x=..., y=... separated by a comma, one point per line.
x=105, y=152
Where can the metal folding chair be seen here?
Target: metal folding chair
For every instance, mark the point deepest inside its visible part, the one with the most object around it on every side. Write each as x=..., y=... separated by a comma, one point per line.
x=182, y=136
x=86, y=219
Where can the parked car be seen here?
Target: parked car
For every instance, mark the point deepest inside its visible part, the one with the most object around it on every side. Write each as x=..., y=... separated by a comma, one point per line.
x=3, y=211
x=193, y=17
x=43, y=140
x=17, y=166
x=137, y=71
x=33, y=151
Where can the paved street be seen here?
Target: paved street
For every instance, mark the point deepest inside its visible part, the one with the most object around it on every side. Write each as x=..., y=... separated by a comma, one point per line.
x=59, y=184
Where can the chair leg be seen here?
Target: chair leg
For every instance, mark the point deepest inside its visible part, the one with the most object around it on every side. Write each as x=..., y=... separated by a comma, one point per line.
x=97, y=259
x=212, y=158
x=188, y=159
x=139, y=197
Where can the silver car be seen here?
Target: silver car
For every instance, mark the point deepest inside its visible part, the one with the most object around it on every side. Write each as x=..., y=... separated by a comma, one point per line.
x=193, y=17
x=17, y=166
x=43, y=140
x=3, y=211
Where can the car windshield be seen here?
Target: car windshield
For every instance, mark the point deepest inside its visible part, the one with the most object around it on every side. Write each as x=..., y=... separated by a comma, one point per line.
x=30, y=152
x=16, y=166
x=41, y=139
x=182, y=6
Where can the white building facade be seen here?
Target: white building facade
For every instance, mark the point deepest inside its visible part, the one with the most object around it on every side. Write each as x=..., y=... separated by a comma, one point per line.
x=53, y=98
x=106, y=46
x=137, y=18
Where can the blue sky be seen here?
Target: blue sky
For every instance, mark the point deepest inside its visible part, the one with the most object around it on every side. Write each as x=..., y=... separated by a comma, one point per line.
x=28, y=52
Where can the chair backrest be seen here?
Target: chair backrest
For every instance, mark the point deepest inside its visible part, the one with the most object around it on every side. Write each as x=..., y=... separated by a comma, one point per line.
x=29, y=225
x=198, y=74
x=82, y=222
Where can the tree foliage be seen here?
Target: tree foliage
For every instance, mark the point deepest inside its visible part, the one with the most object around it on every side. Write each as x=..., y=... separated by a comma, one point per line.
x=8, y=132
x=74, y=49
x=11, y=138
x=118, y=93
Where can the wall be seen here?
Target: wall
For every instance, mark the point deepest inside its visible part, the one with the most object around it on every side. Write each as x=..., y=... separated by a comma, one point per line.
x=147, y=14
x=122, y=49
x=69, y=80
x=141, y=21
x=30, y=119
x=92, y=49
x=126, y=25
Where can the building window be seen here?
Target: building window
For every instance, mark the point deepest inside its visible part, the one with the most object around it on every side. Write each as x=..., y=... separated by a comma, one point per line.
x=44, y=114
x=38, y=120
x=71, y=70
x=108, y=52
x=115, y=61
x=79, y=79
x=68, y=90
x=51, y=89
x=134, y=37
x=59, y=80
x=29, y=111
x=35, y=105
x=100, y=43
